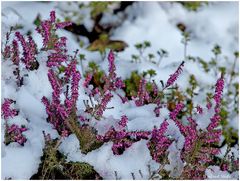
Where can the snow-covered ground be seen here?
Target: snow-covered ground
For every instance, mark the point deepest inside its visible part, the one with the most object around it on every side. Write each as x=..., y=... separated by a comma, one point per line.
x=216, y=23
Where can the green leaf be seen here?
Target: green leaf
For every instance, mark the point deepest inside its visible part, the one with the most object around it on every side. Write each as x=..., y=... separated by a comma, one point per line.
x=37, y=20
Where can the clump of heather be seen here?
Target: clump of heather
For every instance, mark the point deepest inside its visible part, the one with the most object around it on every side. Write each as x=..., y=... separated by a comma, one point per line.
x=199, y=147
x=29, y=51
x=174, y=77
x=48, y=28
x=57, y=112
x=102, y=96
x=7, y=111
x=52, y=42
x=142, y=93
x=159, y=143
x=67, y=84
x=121, y=138
x=13, y=133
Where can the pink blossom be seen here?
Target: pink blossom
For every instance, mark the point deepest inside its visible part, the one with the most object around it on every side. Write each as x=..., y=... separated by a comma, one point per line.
x=15, y=52
x=29, y=50
x=218, y=91
x=103, y=105
x=175, y=112
x=159, y=142
x=199, y=109
x=112, y=67
x=15, y=133
x=52, y=16
x=174, y=77
x=87, y=80
x=7, y=111
x=142, y=93
x=119, y=83
x=63, y=25
x=56, y=86
x=124, y=121
x=123, y=99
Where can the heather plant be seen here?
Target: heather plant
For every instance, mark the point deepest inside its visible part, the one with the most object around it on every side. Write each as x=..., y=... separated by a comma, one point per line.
x=13, y=133
x=182, y=146
x=155, y=58
x=212, y=67
x=55, y=166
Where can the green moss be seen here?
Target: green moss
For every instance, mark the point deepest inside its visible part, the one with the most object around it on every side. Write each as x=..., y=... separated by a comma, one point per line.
x=54, y=166
x=85, y=134
x=193, y=5
x=80, y=171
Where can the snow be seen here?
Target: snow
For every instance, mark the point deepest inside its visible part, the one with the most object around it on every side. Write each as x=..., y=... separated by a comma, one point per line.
x=135, y=158
x=152, y=21
x=214, y=172
x=176, y=165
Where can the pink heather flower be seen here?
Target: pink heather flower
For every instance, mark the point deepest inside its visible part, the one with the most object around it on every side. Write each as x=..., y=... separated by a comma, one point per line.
x=87, y=80
x=218, y=91
x=52, y=16
x=209, y=105
x=63, y=25
x=112, y=67
x=7, y=51
x=224, y=167
x=174, y=77
x=173, y=116
x=56, y=86
x=7, y=111
x=159, y=142
x=60, y=45
x=32, y=47
x=29, y=50
x=123, y=99
x=138, y=135
x=47, y=105
x=175, y=112
x=217, y=97
x=209, y=150
x=22, y=41
x=142, y=93
x=122, y=139
x=124, y=121
x=213, y=136
x=76, y=76
x=71, y=67
x=190, y=135
x=15, y=52
x=62, y=112
x=82, y=118
x=163, y=128
x=120, y=134
x=103, y=105
x=45, y=31
x=119, y=83
x=59, y=55
x=199, y=109
x=204, y=158
x=15, y=133
x=65, y=133
x=214, y=122
x=55, y=59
